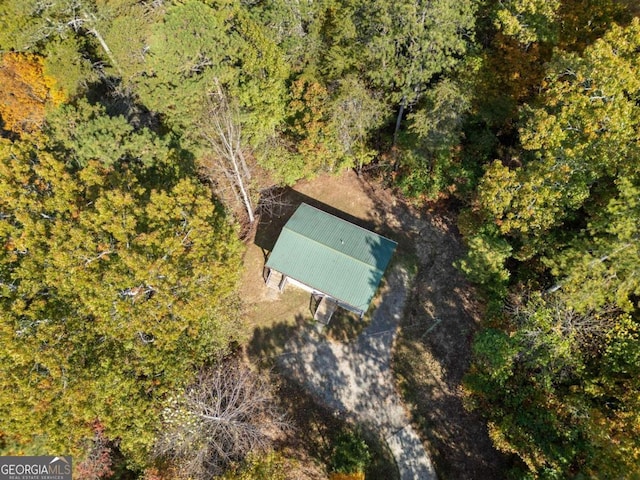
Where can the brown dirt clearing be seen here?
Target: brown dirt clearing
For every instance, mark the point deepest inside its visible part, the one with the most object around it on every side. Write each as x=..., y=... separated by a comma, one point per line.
x=433, y=349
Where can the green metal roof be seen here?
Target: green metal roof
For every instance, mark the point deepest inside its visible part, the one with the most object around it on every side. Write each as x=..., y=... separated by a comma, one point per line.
x=332, y=256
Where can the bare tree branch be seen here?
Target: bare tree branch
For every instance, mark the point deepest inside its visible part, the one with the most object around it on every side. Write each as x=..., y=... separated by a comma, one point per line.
x=228, y=412
x=222, y=131
x=272, y=202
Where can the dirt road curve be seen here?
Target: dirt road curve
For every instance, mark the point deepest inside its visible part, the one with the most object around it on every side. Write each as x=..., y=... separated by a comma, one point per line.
x=355, y=378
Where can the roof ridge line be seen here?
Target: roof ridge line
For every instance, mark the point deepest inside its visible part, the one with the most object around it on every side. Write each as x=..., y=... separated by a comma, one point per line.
x=333, y=249
x=347, y=221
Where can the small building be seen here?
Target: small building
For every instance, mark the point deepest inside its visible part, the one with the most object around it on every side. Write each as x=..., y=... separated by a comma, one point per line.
x=338, y=262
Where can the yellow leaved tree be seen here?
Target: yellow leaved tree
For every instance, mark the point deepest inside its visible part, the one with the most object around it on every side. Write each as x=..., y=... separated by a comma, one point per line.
x=25, y=92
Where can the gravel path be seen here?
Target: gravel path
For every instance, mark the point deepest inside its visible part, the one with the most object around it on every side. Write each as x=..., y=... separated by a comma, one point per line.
x=355, y=378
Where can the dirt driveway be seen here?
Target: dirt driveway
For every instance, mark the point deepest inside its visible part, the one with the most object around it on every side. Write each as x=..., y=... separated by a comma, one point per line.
x=432, y=350
x=355, y=379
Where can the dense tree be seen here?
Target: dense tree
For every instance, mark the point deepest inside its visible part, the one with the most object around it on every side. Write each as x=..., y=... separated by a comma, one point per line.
x=431, y=163
x=401, y=46
x=113, y=288
x=118, y=269
x=25, y=92
x=575, y=142
x=552, y=390
x=222, y=47
x=297, y=28
x=389, y=52
x=528, y=21
x=84, y=132
x=581, y=22
x=601, y=265
x=30, y=24
x=315, y=136
x=269, y=466
x=550, y=375
x=356, y=112
x=66, y=61
x=126, y=26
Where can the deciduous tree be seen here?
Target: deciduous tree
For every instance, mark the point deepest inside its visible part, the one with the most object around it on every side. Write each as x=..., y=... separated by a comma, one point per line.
x=25, y=92
x=405, y=44
x=30, y=24
x=222, y=131
x=583, y=133
x=115, y=283
x=356, y=113
x=551, y=393
x=228, y=412
x=528, y=21
x=602, y=264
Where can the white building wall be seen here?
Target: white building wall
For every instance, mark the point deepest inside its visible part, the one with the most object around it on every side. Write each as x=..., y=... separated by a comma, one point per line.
x=301, y=285
x=313, y=291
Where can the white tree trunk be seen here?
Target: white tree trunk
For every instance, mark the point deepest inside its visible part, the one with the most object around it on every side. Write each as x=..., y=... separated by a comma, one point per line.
x=224, y=134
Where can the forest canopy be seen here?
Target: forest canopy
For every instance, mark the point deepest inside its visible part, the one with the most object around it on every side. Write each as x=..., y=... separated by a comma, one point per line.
x=137, y=136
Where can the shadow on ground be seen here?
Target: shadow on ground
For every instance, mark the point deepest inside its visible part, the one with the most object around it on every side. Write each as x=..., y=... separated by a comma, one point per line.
x=432, y=352
x=317, y=428
x=269, y=342
x=353, y=380
x=317, y=424
x=345, y=326
x=272, y=219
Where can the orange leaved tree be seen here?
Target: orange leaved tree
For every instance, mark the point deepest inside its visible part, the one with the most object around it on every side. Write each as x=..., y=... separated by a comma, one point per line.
x=26, y=91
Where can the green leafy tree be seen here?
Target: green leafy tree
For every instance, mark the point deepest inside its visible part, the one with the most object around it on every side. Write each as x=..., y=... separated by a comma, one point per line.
x=84, y=132
x=127, y=26
x=221, y=48
x=350, y=453
x=581, y=22
x=114, y=287
x=356, y=112
x=551, y=376
x=485, y=262
x=528, y=21
x=315, y=136
x=269, y=466
x=556, y=389
x=439, y=122
x=601, y=266
x=30, y=24
x=83, y=40
x=613, y=426
x=403, y=45
x=67, y=62
x=580, y=135
x=431, y=164
x=296, y=27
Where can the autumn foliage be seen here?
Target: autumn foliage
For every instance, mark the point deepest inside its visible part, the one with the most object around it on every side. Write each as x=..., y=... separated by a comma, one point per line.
x=98, y=462
x=25, y=92
x=347, y=476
